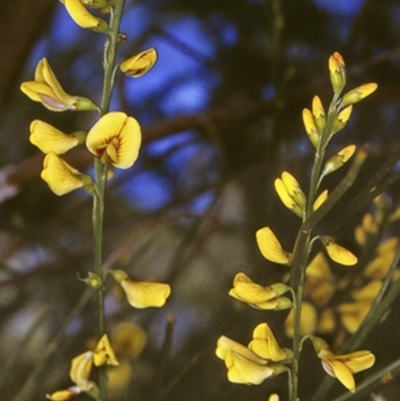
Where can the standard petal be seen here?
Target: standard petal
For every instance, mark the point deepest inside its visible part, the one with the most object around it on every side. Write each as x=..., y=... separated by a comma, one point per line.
x=141, y=294
x=49, y=139
x=270, y=247
x=60, y=176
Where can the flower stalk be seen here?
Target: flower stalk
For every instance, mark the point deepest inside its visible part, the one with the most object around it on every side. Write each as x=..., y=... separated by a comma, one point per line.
x=100, y=178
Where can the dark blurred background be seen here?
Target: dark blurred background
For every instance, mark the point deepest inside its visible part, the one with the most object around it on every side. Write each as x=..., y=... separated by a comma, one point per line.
x=221, y=118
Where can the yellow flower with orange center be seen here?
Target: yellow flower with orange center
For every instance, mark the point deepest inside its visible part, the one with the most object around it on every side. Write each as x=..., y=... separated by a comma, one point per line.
x=115, y=139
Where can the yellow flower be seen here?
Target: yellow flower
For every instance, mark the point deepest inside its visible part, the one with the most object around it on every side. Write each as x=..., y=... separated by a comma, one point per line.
x=83, y=17
x=142, y=294
x=320, y=285
x=244, y=366
x=353, y=314
x=128, y=339
x=115, y=139
x=342, y=367
x=63, y=395
x=139, y=64
x=49, y=139
x=311, y=127
x=290, y=193
x=327, y=321
x=245, y=290
x=337, y=72
x=265, y=345
x=271, y=248
x=358, y=94
x=119, y=379
x=308, y=321
x=81, y=366
x=273, y=397
x=47, y=90
x=340, y=254
x=103, y=353
x=61, y=177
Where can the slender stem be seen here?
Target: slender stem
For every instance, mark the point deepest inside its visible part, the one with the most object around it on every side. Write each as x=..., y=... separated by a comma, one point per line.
x=302, y=245
x=100, y=174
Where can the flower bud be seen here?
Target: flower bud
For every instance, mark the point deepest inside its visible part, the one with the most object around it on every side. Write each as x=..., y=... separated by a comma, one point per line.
x=338, y=160
x=139, y=64
x=337, y=72
x=342, y=119
x=358, y=94
x=92, y=280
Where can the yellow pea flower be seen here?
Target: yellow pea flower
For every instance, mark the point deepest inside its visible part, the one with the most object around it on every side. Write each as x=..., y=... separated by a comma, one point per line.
x=308, y=321
x=64, y=395
x=142, y=294
x=338, y=253
x=49, y=139
x=342, y=367
x=245, y=290
x=119, y=379
x=337, y=72
x=290, y=193
x=244, y=366
x=273, y=397
x=139, y=64
x=128, y=339
x=83, y=17
x=81, y=366
x=104, y=353
x=358, y=94
x=352, y=314
x=63, y=178
x=265, y=345
x=47, y=90
x=115, y=139
x=271, y=248
x=320, y=285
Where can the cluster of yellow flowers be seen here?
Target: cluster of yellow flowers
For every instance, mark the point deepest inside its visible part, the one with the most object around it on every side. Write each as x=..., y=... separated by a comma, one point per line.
x=263, y=358
x=115, y=141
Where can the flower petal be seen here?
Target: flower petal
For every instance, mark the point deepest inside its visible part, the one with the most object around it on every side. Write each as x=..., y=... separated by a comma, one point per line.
x=141, y=294
x=270, y=247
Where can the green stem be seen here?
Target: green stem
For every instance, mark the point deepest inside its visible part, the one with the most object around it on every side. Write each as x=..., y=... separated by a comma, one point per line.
x=302, y=245
x=100, y=176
